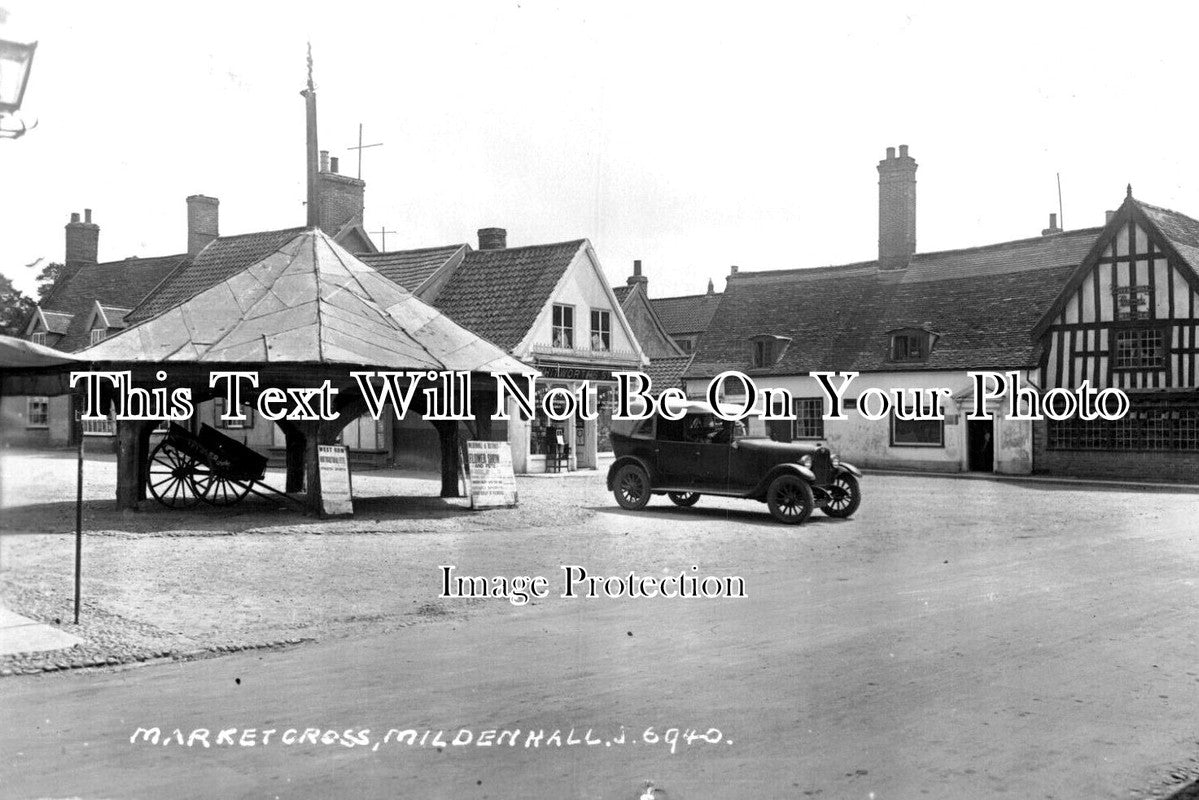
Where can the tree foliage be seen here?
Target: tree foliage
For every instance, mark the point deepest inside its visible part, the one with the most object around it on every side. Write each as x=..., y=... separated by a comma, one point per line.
x=14, y=308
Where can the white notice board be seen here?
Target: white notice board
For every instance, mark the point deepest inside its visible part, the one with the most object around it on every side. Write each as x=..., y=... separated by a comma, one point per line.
x=490, y=480
x=336, y=495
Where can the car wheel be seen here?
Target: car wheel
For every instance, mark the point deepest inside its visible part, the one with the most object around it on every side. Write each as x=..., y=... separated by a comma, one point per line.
x=790, y=499
x=684, y=499
x=844, y=496
x=631, y=487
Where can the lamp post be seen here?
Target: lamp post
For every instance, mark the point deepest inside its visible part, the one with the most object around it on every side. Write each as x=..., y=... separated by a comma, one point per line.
x=15, y=60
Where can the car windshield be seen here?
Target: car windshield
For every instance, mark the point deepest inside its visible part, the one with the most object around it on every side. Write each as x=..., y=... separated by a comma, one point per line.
x=700, y=428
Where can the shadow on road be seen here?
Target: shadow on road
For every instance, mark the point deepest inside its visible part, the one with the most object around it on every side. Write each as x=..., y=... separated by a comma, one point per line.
x=253, y=512
x=749, y=515
x=1188, y=792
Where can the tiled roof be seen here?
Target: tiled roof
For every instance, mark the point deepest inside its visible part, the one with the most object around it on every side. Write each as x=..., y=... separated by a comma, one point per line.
x=115, y=315
x=621, y=292
x=1181, y=230
x=56, y=321
x=499, y=293
x=115, y=283
x=221, y=259
x=689, y=314
x=411, y=268
x=667, y=372
x=308, y=301
x=983, y=301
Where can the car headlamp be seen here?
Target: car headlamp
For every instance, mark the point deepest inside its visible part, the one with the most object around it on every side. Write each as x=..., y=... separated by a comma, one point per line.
x=805, y=460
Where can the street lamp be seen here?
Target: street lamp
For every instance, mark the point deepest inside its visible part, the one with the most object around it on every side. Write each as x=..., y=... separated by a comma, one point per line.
x=15, y=61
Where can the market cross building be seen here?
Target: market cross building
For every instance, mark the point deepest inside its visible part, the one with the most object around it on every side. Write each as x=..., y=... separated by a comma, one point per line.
x=1114, y=305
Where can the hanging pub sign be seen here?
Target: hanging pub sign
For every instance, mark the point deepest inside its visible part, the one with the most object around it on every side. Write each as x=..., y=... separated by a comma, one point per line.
x=490, y=479
x=1132, y=302
x=337, y=496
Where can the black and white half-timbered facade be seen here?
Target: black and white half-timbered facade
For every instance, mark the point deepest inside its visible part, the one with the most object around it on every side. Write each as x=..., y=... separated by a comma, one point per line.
x=1128, y=317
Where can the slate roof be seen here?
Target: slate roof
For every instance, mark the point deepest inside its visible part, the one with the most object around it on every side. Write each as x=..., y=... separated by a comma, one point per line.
x=667, y=372
x=112, y=283
x=308, y=301
x=983, y=301
x=499, y=293
x=219, y=260
x=411, y=268
x=688, y=314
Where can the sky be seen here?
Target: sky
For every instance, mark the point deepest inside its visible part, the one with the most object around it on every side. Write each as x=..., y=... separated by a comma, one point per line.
x=690, y=135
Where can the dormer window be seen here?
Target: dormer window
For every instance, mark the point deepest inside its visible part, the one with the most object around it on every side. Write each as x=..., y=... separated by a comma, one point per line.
x=767, y=349
x=98, y=335
x=911, y=345
x=38, y=337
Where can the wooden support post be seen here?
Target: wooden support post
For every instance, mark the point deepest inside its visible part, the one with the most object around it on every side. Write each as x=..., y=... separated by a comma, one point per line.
x=451, y=460
x=312, y=465
x=130, y=464
x=294, y=455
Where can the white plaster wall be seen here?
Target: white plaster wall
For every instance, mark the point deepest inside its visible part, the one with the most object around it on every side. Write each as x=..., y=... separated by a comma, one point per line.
x=582, y=288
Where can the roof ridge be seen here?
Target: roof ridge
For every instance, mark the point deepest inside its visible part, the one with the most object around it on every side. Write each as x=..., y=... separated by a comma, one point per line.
x=684, y=296
x=1166, y=210
x=415, y=250
x=571, y=242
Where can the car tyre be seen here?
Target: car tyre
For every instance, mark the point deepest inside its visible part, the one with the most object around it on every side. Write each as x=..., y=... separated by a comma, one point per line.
x=684, y=499
x=790, y=499
x=631, y=487
x=845, y=496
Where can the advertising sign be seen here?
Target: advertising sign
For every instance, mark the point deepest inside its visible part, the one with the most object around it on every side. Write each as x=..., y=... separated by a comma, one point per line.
x=491, y=481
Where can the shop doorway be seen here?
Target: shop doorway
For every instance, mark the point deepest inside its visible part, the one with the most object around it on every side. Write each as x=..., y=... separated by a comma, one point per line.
x=980, y=445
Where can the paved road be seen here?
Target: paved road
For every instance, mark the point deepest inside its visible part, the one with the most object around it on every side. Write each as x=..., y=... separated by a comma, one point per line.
x=959, y=639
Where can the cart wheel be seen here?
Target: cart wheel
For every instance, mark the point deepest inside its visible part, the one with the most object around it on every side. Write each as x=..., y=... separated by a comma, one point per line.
x=217, y=490
x=170, y=477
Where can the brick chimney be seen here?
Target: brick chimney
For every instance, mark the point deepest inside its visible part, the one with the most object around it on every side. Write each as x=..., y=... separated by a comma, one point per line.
x=1053, y=229
x=82, y=242
x=340, y=198
x=203, y=215
x=637, y=277
x=896, y=209
x=493, y=238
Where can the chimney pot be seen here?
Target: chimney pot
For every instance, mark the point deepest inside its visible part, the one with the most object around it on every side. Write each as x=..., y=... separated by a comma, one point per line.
x=333, y=165
x=896, y=209
x=734, y=269
x=324, y=161
x=82, y=242
x=493, y=238
x=203, y=222
x=1107, y=216
x=87, y=216
x=636, y=277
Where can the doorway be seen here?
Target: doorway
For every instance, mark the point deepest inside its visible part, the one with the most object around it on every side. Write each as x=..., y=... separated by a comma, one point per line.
x=980, y=445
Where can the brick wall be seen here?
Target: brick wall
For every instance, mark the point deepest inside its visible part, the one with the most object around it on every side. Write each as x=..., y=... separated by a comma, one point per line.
x=1149, y=465
x=341, y=199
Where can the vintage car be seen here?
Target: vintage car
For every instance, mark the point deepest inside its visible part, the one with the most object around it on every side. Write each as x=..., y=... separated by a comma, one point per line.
x=703, y=454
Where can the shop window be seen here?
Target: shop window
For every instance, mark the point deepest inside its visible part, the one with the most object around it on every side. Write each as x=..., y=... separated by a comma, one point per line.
x=233, y=424
x=1144, y=428
x=37, y=412
x=917, y=432
x=1139, y=348
x=564, y=326
x=98, y=335
x=601, y=329
x=809, y=418
x=38, y=337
